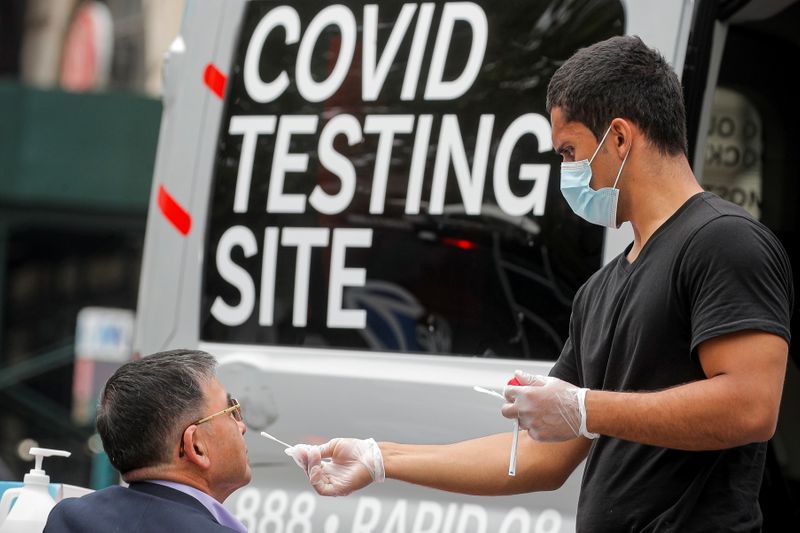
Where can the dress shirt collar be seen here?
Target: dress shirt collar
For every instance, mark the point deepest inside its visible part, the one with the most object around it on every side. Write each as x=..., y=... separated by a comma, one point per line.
x=217, y=510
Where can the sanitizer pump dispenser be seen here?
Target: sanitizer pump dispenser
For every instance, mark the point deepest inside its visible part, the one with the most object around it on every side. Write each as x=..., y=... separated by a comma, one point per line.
x=33, y=501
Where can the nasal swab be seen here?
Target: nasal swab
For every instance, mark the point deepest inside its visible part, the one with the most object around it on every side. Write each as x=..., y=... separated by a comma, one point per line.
x=512, y=461
x=478, y=388
x=279, y=441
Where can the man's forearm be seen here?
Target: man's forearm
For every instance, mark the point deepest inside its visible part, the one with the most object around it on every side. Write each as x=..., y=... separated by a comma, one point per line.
x=480, y=466
x=736, y=404
x=703, y=415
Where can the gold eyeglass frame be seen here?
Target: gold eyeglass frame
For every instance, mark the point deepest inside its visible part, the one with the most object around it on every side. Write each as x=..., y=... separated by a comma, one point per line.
x=235, y=408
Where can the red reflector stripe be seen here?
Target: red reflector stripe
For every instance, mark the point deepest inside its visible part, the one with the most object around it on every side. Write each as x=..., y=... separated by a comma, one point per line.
x=172, y=211
x=460, y=243
x=215, y=80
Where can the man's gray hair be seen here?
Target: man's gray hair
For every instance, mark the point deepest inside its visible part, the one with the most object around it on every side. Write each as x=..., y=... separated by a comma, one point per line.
x=146, y=405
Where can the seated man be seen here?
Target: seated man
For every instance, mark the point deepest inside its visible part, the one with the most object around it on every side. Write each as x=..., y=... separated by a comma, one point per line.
x=177, y=438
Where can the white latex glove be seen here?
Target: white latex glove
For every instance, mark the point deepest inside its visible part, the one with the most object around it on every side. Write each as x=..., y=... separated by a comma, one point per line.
x=551, y=410
x=354, y=464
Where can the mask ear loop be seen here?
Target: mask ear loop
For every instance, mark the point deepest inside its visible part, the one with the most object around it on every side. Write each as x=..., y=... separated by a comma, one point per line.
x=620, y=169
x=599, y=145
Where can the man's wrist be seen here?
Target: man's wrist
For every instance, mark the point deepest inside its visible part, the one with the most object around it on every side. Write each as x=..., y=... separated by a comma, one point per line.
x=584, y=431
x=378, y=469
x=388, y=452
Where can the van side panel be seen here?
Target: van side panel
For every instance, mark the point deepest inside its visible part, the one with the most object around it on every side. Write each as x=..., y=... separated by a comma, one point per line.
x=306, y=391
x=171, y=269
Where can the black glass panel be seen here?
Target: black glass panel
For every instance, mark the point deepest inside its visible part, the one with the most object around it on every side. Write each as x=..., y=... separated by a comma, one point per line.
x=438, y=187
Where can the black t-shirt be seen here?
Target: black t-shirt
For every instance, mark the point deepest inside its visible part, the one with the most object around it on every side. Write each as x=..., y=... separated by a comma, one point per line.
x=710, y=270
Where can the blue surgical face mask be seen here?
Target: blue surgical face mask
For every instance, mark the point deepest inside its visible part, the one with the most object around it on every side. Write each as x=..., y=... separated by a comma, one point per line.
x=595, y=206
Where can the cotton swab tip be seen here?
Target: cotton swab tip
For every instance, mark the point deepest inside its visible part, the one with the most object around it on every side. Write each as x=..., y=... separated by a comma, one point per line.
x=478, y=388
x=275, y=439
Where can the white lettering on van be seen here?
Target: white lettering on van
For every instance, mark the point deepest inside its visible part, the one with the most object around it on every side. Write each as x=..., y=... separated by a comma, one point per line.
x=535, y=124
x=414, y=65
x=341, y=276
x=428, y=518
x=304, y=240
x=266, y=300
x=342, y=18
x=470, y=514
x=450, y=152
x=451, y=149
x=251, y=127
x=284, y=161
x=549, y=521
x=419, y=156
x=275, y=505
x=518, y=517
x=396, y=522
x=259, y=90
x=374, y=70
x=449, y=518
x=279, y=511
x=340, y=166
x=387, y=126
x=519, y=188
x=235, y=315
x=367, y=514
x=472, y=14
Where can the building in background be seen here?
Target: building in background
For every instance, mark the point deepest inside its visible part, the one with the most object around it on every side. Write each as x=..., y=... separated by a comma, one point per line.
x=79, y=95
x=131, y=36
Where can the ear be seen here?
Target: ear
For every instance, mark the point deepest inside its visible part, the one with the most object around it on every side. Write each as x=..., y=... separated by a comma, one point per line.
x=622, y=133
x=195, y=448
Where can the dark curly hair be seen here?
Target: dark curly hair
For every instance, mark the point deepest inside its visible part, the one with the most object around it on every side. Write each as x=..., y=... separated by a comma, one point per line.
x=622, y=77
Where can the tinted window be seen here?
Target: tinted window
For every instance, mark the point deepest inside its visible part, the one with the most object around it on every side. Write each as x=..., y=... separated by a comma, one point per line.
x=732, y=166
x=385, y=179
x=762, y=116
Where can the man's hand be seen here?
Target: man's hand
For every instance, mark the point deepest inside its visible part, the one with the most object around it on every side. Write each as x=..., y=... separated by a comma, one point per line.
x=353, y=464
x=551, y=410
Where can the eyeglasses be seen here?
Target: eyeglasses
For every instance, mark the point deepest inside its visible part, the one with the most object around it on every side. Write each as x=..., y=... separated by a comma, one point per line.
x=234, y=408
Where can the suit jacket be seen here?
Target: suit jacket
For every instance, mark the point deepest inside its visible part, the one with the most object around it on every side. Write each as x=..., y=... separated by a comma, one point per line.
x=140, y=508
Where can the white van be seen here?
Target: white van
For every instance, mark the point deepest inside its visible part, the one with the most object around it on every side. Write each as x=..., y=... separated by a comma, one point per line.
x=355, y=207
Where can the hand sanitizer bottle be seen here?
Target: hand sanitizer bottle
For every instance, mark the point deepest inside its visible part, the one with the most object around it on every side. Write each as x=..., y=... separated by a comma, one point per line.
x=33, y=501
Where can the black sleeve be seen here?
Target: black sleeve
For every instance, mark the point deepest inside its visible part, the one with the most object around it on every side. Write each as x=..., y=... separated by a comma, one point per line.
x=736, y=276
x=565, y=367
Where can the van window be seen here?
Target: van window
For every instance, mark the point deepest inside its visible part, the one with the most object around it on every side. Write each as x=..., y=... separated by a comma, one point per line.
x=385, y=179
x=732, y=167
x=764, y=115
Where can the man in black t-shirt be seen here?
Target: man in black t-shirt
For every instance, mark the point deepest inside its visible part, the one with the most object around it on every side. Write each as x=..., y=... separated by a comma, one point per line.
x=691, y=319
x=671, y=379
